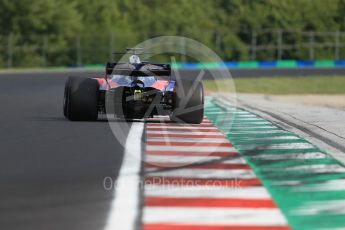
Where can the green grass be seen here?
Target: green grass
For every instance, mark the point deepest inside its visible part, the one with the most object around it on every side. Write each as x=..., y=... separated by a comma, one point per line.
x=282, y=85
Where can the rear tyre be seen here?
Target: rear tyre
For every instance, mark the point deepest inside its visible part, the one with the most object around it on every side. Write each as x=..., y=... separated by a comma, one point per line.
x=189, y=104
x=81, y=99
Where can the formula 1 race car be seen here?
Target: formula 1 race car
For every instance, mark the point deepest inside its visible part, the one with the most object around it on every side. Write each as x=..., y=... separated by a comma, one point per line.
x=134, y=90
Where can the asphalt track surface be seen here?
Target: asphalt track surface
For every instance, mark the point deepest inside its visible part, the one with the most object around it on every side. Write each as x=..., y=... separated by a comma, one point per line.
x=51, y=169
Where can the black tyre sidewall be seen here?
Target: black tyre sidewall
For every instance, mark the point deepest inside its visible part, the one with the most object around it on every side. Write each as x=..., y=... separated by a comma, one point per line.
x=66, y=98
x=196, y=99
x=81, y=99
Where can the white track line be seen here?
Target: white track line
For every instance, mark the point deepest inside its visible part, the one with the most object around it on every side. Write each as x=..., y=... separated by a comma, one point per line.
x=162, y=127
x=206, y=173
x=257, y=132
x=191, y=159
x=124, y=207
x=206, y=191
x=255, y=123
x=318, y=168
x=279, y=146
x=186, y=140
x=189, y=148
x=187, y=132
x=215, y=216
x=292, y=156
x=228, y=112
x=269, y=138
x=269, y=127
x=331, y=207
x=331, y=185
x=249, y=120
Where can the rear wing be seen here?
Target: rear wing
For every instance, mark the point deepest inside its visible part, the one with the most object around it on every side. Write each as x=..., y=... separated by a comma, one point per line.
x=140, y=69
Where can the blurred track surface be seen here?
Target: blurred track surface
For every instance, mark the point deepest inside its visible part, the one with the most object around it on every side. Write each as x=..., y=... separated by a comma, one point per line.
x=51, y=170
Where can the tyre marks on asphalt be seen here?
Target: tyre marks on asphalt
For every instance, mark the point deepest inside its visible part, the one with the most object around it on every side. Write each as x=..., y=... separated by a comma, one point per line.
x=195, y=179
x=306, y=182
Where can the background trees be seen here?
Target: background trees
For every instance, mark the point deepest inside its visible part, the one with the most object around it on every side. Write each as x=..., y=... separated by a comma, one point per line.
x=64, y=32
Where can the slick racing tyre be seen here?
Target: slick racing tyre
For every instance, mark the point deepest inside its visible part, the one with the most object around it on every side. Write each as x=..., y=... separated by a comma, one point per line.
x=81, y=99
x=189, y=103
